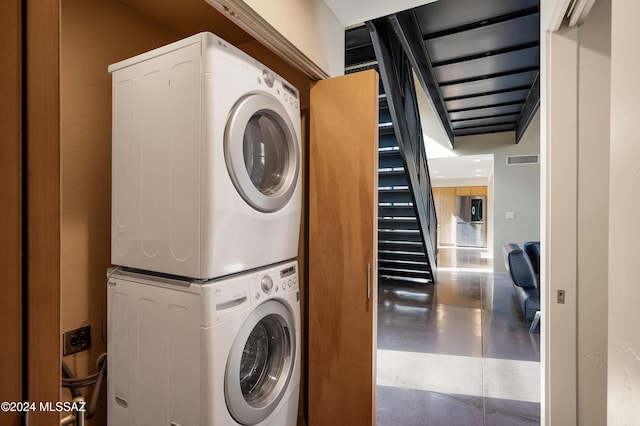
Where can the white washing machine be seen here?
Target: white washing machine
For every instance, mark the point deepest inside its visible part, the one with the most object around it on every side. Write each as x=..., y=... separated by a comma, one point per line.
x=221, y=353
x=205, y=161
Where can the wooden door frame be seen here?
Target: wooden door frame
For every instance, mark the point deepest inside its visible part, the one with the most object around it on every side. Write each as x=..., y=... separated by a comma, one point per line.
x=11, y=366
x=42, y=216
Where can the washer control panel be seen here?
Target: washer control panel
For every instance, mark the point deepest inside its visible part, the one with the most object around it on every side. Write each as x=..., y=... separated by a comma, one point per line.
x=273, y=282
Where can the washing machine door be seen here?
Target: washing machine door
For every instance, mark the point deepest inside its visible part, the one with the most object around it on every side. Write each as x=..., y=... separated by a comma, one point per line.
x=262, y=152
x=261, y=363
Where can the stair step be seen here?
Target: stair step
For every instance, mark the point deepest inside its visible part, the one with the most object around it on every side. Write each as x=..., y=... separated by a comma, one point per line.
x=399, y=235
x=406, y=273
x=358, y=46
x=402, y=224
x=410, y=246
x=405, y=281
x=356, y=36
x=386, y=131
x=361, y=66
x=389, y=159
x=359, y=55
x=403, y=264
x=392, y=178
x=384, y=115
x=394, y=196
x=383, y=103
x=402, y=255
x=396, y=211
x=387, y=140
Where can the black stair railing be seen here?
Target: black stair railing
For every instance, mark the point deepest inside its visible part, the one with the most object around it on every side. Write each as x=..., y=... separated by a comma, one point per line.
x=397, y=78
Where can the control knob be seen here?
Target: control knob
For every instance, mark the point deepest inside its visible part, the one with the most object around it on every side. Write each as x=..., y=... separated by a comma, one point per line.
x=268, y=78
x=266, y=283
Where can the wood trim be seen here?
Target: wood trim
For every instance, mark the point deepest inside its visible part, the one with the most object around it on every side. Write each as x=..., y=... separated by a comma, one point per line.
x=343, y=219
x=43, y=205
x=11, y=211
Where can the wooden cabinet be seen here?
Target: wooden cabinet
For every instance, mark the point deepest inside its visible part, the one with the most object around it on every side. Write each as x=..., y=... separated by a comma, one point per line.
x=445, y=199
x=343, y=199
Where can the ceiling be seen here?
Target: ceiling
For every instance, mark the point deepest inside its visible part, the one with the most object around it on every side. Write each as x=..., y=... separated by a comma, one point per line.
x=479, y=167
x=481, y=62
x=355, y=12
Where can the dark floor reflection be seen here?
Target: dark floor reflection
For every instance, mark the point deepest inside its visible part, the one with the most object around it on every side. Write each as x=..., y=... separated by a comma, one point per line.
x=457, y=352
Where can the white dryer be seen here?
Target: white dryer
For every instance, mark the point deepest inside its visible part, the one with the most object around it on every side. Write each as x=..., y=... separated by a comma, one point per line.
x=221, y=353
x=205, y=161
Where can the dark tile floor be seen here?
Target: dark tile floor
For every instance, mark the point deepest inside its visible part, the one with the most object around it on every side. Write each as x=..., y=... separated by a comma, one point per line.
x=458, y=352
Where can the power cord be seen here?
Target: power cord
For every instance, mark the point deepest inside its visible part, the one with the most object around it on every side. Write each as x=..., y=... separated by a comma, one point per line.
x=74, y=384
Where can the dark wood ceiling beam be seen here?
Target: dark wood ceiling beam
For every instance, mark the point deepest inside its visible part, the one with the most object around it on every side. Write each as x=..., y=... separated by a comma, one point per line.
x=480, y=24
x=529, y=110
x=408, y=32
x=486, y=54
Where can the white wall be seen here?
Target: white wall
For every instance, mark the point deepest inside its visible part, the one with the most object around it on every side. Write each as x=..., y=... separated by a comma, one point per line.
x=575, y=65
x=515, y=188
x=624, y=284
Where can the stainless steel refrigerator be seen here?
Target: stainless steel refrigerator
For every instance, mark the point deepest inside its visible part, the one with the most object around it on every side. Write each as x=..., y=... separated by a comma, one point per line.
x=471, y=225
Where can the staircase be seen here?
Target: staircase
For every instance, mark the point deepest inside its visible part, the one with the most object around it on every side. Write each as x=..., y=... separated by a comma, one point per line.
x=402, y=256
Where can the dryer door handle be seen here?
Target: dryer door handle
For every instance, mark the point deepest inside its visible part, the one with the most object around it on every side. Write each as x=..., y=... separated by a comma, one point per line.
x=368, y=281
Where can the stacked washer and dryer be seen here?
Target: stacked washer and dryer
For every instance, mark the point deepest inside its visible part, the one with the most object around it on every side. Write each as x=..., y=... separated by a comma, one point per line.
x=203, y=306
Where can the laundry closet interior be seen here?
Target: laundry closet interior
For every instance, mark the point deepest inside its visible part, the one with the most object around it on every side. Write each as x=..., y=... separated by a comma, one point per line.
x=93, y=35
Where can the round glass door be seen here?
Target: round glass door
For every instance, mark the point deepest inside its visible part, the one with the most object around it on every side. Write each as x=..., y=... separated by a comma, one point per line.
x=260, y=363
x=261, y=152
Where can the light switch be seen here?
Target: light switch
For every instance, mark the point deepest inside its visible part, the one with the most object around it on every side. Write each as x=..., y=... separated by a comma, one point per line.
x=511, y=215
x=560, y=296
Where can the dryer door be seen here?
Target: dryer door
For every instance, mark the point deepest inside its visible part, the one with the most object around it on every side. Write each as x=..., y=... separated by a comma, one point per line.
x=260, y=363
x=261, y=151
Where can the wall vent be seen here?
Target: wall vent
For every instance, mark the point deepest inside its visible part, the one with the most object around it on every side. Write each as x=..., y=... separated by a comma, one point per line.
x=518, y=160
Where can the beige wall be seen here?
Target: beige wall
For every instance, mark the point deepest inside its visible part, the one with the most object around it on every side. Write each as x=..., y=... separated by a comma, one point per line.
x=559, y=239
x=94, y=34
x=593, y=212
x=624, y=291
x=315, y=31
